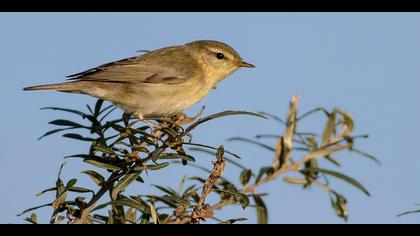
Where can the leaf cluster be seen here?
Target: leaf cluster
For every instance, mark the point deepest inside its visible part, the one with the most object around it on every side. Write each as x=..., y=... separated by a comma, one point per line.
x=126, y=149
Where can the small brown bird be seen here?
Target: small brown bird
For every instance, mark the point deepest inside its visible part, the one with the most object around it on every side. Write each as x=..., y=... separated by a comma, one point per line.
x=159, y=83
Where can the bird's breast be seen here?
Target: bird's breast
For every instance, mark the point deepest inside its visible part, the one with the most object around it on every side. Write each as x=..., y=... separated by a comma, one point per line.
x=167, y=99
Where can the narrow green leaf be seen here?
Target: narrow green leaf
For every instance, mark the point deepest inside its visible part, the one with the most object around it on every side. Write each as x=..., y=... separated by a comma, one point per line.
x=274, y=117
x=408, y=213
x=177, y=199
x=100, y=219
x=252, y=142
x=245, y=176
x=295, y=181
x=102, y=165
x=181, y=185
x=274, y=136
x=168, y=201
x=219, y=115
x=190, y=190
x=83, y=156
x=174, y=156
x=212, y=153
x=132, y=203
x=341, y=176
x=98, y=107
x=54, y=131
x=139, y=200
x=107, y=108
x=312, y=112
x=325, y=151
x=90, y=109
x=61, y=122
x=261, y=208
x=78, y=137
x=108, y=124
x=239, y=197
x=140, y=179
x=46, y=191
x=332, y=160
x=136, y=203
x=233, y=221
x=80, y=190
x=103, y=150
x=203, y=169
x=95, y=176
x=367, y=155
x=33, y=209
x=83, y=115
x=166, y=190
x=264, y=171
x=107, y=114
x=152, y=167
x=123, y=184
x=101, y=206
x=213, y=148
x=72, y=189
x=70, y=184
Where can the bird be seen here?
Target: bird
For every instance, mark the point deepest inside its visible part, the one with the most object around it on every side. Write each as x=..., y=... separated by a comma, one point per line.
x=159, y=83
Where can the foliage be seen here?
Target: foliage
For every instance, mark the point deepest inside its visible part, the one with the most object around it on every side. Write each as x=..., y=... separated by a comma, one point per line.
x=127, y=150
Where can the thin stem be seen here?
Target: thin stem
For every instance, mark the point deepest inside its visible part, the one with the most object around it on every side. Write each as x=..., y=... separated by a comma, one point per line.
x=200, y=212
x=86, y=210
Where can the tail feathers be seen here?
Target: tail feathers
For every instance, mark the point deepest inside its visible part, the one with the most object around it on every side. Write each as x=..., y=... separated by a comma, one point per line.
x=65, y=87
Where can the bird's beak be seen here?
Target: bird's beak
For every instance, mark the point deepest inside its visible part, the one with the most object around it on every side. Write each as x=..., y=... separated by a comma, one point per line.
x=246, y=64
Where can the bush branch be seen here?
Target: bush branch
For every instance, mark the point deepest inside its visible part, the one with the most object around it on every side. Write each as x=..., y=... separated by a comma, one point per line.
x=201, y=212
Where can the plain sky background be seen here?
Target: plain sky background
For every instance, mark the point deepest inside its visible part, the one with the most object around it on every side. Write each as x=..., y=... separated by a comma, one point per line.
x=364, y=63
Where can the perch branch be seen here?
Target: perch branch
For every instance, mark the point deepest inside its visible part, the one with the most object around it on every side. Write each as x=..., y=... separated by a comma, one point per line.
x=201, y=212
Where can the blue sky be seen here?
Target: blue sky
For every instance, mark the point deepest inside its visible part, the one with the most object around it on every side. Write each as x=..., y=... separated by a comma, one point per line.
x=364, y=63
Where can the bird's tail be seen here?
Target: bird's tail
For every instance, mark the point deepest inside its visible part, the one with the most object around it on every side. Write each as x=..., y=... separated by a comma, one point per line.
x=64, y=87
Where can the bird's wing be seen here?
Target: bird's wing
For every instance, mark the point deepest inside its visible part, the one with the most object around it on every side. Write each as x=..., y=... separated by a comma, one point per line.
x=160, y=66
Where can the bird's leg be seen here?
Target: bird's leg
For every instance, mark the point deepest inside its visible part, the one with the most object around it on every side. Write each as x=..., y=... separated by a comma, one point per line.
x=182, y=119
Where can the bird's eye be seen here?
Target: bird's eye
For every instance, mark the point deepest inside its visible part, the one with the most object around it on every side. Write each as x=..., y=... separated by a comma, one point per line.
x=220, y=56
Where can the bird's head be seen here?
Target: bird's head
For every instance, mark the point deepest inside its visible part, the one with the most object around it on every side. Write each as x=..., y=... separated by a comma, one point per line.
x=217, y=59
